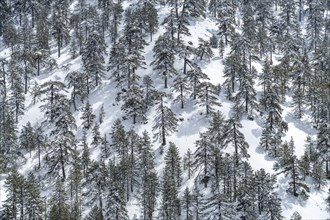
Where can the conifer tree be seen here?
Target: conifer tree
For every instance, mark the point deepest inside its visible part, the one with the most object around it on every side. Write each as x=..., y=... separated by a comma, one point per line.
x=204, y=49
x=97, y=139
x=27, y=138
x=34, y=206
x=93, y=60
x=101, y=114
x=164, y=123
x=149, y=178
x=188, y=163
x=14, y=188
x=207, y=97
x=203, y=157
x=181, y=86
x=60, y=23
x=186, y=201
x=87, y=116
x=289, y=164
x=59, y=209
x=196, y=77
x=115, y=200
x=85, y=157
x=164, y=58
x=134, y=105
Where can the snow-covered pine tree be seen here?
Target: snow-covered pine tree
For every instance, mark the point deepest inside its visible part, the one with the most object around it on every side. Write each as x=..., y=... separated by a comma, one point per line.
x=204, y=49
x=164, y=123
x=87, y=116
x=288, y=164
x=93, y=59
x=27, y=138
x=203, y=157
x=148, y=177
x=195, y=76
x=207, y=97
x=181, y=86
x=164, y=58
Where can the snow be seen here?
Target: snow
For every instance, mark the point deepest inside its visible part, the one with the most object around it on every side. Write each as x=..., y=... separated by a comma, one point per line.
x=189, y=128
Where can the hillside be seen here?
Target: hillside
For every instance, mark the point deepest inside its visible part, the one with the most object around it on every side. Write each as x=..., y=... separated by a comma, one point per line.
x=171, y=109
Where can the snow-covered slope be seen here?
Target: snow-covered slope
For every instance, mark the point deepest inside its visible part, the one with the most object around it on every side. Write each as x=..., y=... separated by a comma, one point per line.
x=193, y=121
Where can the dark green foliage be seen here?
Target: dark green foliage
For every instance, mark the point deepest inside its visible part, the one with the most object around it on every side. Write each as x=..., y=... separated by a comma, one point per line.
x=296, y=216
x=164, y=123
x=134, y=105
x=34, y=204
x=59, y=209
x=195, y=77
x=148, y=176
x=164, y=58
x=87, y=116
x=203, y=157
x=208, y=97
x=93, y=59
x=204, y=49
x=288, y=164
x=14, y=204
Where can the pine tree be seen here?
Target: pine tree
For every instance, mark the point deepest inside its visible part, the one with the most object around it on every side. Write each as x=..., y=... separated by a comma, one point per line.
x=150, y=18
x=188, y=163
x=115, y=20
x=203, y=157
x=60, y=23
x=296, y=216
x=289, y=164
x=96, y=139
x=207, y=97
x=116, y=63
x=34, y=206
x=93, y=59
x=14, y=188
x=226, y=20
x=85, y=157
x=101, y=114
x=17, y=97
x=170, y=203
x=181, y=86
x=75, y=180
x=119, y=140
x=76, y=80
x=53, y=91
x=149, y=179
x=204, y=49
x=149, y=90
x=59, y=209
x=27, y=138
x=195, y=8
x=264, y=184
x=62, y=138
x=87, y=116
x=115, y=200
x=173, y=164
x=323, y=145
x=94, y=186
x=233, y=136
x=195, y=77
x=246, y=196
x=186, y=201
x=134, y=105
x=164, y=123
x=164, y=58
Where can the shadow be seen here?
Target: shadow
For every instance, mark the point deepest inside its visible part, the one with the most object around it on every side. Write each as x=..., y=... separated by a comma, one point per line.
x=192, y=125
x=304, y=125
x=256, y=132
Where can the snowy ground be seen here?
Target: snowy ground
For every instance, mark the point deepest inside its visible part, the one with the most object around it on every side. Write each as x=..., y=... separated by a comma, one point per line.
x=189, y=128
